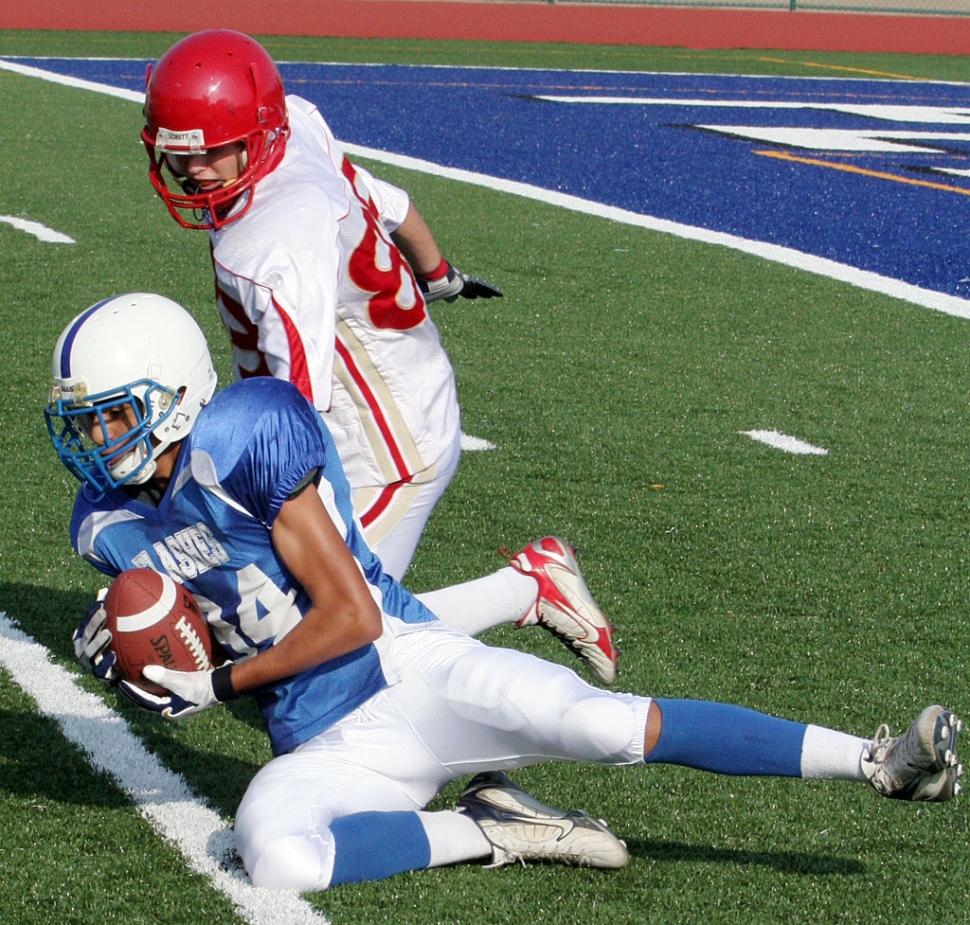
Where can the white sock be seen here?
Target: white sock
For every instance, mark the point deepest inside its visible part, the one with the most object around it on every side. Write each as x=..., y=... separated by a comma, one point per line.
x=832, y=755
x=453, y=837
x=477, y=605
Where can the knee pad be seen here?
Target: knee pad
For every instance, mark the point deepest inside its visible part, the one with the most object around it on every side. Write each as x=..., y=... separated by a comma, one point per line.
x=605, y=729
x=293, y=862
x=284, y=851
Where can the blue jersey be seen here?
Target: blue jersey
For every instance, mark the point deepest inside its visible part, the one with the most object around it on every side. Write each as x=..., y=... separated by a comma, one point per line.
x=250, y=447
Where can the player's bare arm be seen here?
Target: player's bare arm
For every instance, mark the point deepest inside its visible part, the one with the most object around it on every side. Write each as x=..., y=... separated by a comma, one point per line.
x=437, y=278
x=414, y=238
x=343, y=617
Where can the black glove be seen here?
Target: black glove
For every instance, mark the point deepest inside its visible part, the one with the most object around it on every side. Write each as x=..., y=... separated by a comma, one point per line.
x=453, y=283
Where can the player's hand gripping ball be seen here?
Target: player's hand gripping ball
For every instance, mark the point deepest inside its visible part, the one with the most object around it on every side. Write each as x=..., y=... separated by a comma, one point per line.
x=155, y=621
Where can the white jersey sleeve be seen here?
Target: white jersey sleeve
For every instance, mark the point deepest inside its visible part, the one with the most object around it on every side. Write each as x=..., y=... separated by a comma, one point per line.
x=391, y=201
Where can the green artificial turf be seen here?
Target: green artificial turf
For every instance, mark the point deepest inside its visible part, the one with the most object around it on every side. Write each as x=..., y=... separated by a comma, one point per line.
x=614, y=380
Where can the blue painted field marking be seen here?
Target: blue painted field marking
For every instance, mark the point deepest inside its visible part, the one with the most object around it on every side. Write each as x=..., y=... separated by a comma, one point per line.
x=685, y=148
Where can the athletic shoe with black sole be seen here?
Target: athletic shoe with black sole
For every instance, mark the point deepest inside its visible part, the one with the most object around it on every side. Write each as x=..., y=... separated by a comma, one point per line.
x=521, y=829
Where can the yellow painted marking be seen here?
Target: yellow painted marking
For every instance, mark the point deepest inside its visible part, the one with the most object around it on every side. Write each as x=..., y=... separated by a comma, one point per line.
x=843, y=67
x=851, y=168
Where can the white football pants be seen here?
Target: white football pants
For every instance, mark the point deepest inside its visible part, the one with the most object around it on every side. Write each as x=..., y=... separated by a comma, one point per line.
x=461, y=707
x=395, y=515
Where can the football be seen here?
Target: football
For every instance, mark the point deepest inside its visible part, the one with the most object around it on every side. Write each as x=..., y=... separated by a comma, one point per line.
x=155, y=621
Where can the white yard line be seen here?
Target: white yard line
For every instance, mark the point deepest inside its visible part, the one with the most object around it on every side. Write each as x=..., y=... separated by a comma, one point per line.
x=162, y=797
x=39, y=231
x=471, y=444
x=783, y=442
x=27, y=71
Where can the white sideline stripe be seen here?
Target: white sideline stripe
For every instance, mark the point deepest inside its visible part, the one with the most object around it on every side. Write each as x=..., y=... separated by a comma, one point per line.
x=39, y=231
x=27, y=71
x=475, y=444
x=161, y=796
x=864, y=279
x=821, y=266
x=784, y=442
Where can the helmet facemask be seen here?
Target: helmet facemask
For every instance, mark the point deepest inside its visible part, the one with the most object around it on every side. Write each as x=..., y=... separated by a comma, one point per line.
x=128, y=458
x=193, y=207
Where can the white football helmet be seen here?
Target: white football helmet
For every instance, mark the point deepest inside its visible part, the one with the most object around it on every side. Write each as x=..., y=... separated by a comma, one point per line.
x=138, y=352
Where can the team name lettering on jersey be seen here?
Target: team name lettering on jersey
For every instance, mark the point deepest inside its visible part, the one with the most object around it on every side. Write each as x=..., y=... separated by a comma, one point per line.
x=187, y=553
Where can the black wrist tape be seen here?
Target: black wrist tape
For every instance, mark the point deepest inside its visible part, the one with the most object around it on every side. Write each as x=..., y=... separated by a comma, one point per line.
x=222, y=683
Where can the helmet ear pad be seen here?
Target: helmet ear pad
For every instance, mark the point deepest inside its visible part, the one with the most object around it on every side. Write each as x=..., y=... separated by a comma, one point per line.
x=210, y=89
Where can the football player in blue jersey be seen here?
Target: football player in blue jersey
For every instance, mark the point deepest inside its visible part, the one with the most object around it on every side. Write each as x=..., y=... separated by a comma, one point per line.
x=371, y=704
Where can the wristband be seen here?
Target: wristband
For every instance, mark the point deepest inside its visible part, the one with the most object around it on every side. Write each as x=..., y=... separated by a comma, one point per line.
x=222, y=683
x=438, y=272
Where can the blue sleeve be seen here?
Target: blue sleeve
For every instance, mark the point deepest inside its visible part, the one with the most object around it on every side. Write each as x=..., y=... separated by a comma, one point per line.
x=273, y=437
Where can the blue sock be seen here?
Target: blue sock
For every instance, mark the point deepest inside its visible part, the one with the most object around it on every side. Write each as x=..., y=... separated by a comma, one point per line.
x=727, y=739
x=368, y=846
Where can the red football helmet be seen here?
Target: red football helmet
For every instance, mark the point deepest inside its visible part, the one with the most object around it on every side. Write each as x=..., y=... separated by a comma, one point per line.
x=210, y=89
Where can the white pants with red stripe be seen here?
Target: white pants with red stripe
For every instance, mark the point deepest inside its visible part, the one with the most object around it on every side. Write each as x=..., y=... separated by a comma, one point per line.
x=392, y=517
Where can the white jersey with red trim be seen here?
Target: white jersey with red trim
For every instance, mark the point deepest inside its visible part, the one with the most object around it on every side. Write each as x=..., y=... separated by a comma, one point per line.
x=313, y=290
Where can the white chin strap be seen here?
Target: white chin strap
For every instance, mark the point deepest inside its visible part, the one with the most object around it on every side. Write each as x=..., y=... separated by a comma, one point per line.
x=130, y=462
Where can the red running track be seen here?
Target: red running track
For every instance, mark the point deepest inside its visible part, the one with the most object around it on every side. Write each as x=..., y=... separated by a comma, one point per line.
x=512, y=21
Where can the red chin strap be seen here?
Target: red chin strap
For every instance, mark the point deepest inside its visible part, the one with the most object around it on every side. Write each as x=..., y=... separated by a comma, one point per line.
x=216, y=207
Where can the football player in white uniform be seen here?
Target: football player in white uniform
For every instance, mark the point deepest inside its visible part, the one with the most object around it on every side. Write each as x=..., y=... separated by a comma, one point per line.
x=323, y=275
x=372, y=705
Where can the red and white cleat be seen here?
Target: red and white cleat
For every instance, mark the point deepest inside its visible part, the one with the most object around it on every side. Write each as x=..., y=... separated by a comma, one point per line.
x=565, y=606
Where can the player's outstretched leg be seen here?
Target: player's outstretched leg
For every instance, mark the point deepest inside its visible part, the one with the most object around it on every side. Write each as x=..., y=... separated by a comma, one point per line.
x=564, y=605
x=922, y=763
x=520, y=828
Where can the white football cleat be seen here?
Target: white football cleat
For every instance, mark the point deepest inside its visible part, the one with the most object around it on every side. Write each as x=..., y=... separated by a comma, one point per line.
x=564, y=605
x=922, y=763
x=520, y=828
